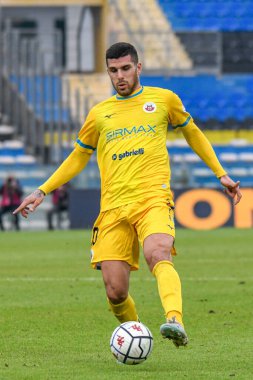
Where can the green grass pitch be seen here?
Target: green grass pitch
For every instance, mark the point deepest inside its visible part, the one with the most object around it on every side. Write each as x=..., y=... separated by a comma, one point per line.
x=55, y=323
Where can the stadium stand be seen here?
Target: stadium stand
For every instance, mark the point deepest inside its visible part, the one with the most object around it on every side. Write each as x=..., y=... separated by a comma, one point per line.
x=43, y=94
x=237, y=51
x=237, y=159
x=214, y=33
x=90, y=90
x=160, y=49
x=207, y=96
x=209, y=15
x=218, y=37
x=202, y=50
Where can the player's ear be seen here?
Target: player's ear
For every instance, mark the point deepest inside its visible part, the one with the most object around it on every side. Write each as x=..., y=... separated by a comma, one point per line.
x=139, y=68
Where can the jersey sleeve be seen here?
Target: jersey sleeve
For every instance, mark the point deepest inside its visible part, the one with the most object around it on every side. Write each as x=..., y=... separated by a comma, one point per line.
x=88, y=135
x=178, y=116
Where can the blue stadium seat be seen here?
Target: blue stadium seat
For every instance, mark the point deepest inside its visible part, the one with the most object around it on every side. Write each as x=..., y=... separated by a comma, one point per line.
x=237, y=159
x=45, y=90
x=206, y=96
x=208, y=15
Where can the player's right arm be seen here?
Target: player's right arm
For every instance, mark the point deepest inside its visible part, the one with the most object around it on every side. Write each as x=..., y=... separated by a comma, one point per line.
x=77, y=160
x=72, y=166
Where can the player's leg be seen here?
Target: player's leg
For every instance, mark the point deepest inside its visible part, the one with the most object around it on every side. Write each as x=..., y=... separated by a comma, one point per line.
x=157, y=248
x=16, y=222
x=15, y=218
x=1, y=219
x=156, y=232
x=50, y=218
x=4, y=210
x=116, y=280
x=58, y=217
x=115, y=249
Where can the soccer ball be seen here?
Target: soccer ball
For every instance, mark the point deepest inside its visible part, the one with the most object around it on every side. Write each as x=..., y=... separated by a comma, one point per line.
x=131, y=343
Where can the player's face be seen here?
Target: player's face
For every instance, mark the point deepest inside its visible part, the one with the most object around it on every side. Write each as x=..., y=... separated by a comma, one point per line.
x=124, y=74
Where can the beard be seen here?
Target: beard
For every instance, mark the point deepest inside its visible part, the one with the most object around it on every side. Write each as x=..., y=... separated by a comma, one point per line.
x=128, y=89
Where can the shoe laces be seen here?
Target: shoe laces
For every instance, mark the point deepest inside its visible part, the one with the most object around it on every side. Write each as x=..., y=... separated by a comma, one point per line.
x=173, y=320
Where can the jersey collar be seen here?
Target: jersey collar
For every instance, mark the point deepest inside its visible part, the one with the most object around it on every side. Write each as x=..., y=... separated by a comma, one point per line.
x=138, y=92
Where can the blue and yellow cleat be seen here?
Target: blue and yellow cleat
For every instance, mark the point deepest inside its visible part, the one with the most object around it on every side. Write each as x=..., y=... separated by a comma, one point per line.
x=174, y=331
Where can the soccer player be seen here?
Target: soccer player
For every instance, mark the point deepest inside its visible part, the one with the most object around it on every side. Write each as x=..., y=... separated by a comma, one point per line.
x=129, y=131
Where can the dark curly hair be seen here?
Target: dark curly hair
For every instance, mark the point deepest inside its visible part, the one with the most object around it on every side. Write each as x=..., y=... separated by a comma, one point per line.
x=121, y=49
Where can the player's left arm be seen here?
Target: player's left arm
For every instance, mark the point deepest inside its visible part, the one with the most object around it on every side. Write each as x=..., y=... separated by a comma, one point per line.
x=180, y=119
x=201, y=145
x=231, y=188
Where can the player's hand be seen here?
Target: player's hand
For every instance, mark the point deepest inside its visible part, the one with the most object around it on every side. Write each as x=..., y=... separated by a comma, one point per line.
x=30, y=203
x=231, y=188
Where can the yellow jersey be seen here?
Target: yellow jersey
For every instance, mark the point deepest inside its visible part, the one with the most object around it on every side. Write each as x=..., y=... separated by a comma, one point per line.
x=129, y=134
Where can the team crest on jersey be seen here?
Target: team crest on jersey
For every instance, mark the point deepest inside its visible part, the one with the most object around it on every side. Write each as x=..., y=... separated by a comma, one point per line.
x=149, y=107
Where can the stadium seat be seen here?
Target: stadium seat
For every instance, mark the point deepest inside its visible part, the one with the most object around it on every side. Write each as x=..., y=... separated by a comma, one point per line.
x=246, y=157
x=6, y=132
x=210, y=97
x=208, y=15
x=25, y=161
x=228, y=157
x=43, y=90
x=191, y=158
x=12, y=147
x=6, y=161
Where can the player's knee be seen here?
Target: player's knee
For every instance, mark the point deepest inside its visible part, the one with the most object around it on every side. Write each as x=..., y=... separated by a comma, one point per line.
x=156, y=259
x=116, y=295
x=159, y=253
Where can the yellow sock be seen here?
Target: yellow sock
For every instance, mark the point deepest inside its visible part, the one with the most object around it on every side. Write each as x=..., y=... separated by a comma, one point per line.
x=169, y=288
x=124, y=311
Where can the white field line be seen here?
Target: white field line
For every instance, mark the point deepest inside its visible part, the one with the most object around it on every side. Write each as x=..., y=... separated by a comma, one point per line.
x=94, y=279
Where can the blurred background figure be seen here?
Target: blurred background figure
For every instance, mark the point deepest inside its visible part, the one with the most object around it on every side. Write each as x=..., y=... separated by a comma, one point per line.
x=11, y=193
x=60, y=200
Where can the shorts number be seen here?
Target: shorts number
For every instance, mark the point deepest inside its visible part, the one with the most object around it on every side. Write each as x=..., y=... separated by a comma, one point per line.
x=94, y=235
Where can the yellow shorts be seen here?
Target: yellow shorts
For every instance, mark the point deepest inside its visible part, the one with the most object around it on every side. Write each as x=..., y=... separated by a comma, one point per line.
x=117, y=232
